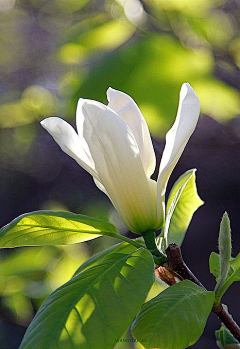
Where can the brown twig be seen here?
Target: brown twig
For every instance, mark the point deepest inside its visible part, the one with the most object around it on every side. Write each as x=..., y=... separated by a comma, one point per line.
x=176, y=263
x=221, y=311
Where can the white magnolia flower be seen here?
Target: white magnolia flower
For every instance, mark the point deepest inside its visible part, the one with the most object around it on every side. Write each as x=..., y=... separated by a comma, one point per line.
x=113, y=144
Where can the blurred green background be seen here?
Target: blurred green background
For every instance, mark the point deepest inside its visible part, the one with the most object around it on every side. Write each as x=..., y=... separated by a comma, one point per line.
x=53, y=52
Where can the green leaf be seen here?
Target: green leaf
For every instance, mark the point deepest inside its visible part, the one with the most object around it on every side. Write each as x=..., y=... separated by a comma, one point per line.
x=94, y=308
x=214, y=264
x=225, y=340
x=183, y=201
x=176, y=318
x=52, y=228
x=235, y=267
x=232, y=275
x=123, y=247
x=235, y=264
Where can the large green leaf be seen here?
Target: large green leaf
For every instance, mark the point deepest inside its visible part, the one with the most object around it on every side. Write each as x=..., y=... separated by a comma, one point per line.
x=175, y=319
x=183, y=201
x=123, y=247
x=94, y=308
x=52, y=228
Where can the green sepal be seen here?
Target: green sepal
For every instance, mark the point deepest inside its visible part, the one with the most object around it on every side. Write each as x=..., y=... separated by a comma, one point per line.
x=150, y=242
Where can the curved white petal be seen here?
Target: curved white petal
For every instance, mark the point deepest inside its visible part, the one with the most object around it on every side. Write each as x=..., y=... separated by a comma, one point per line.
x=116, y=158
x=178, y=136
x=100, y=186
x=68, y=140
x=128, y=110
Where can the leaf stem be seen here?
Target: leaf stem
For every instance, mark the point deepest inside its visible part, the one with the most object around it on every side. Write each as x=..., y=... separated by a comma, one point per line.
x=221, y=311
x=150, y=241
x=124, y=238
x=177, y=263
x=221, y=290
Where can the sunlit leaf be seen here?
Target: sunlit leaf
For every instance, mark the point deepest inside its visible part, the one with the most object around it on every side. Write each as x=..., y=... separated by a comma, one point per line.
x=94, y=308
x=98, y=257
x=176, y=318
x=52, y=228
x=183, y=201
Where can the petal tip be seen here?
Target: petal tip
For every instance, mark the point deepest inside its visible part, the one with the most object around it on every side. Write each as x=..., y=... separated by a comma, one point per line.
x=80, y=102
x=187, y=89
x=110, y=92
x=49, y=121
x=188, y=94
x=84, y=105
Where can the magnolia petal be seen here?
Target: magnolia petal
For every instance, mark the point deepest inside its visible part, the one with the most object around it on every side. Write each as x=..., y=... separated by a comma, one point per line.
x=100, y=186
x=117, y=161
x=68, y=140
x=178, y=136
x=128, y=110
